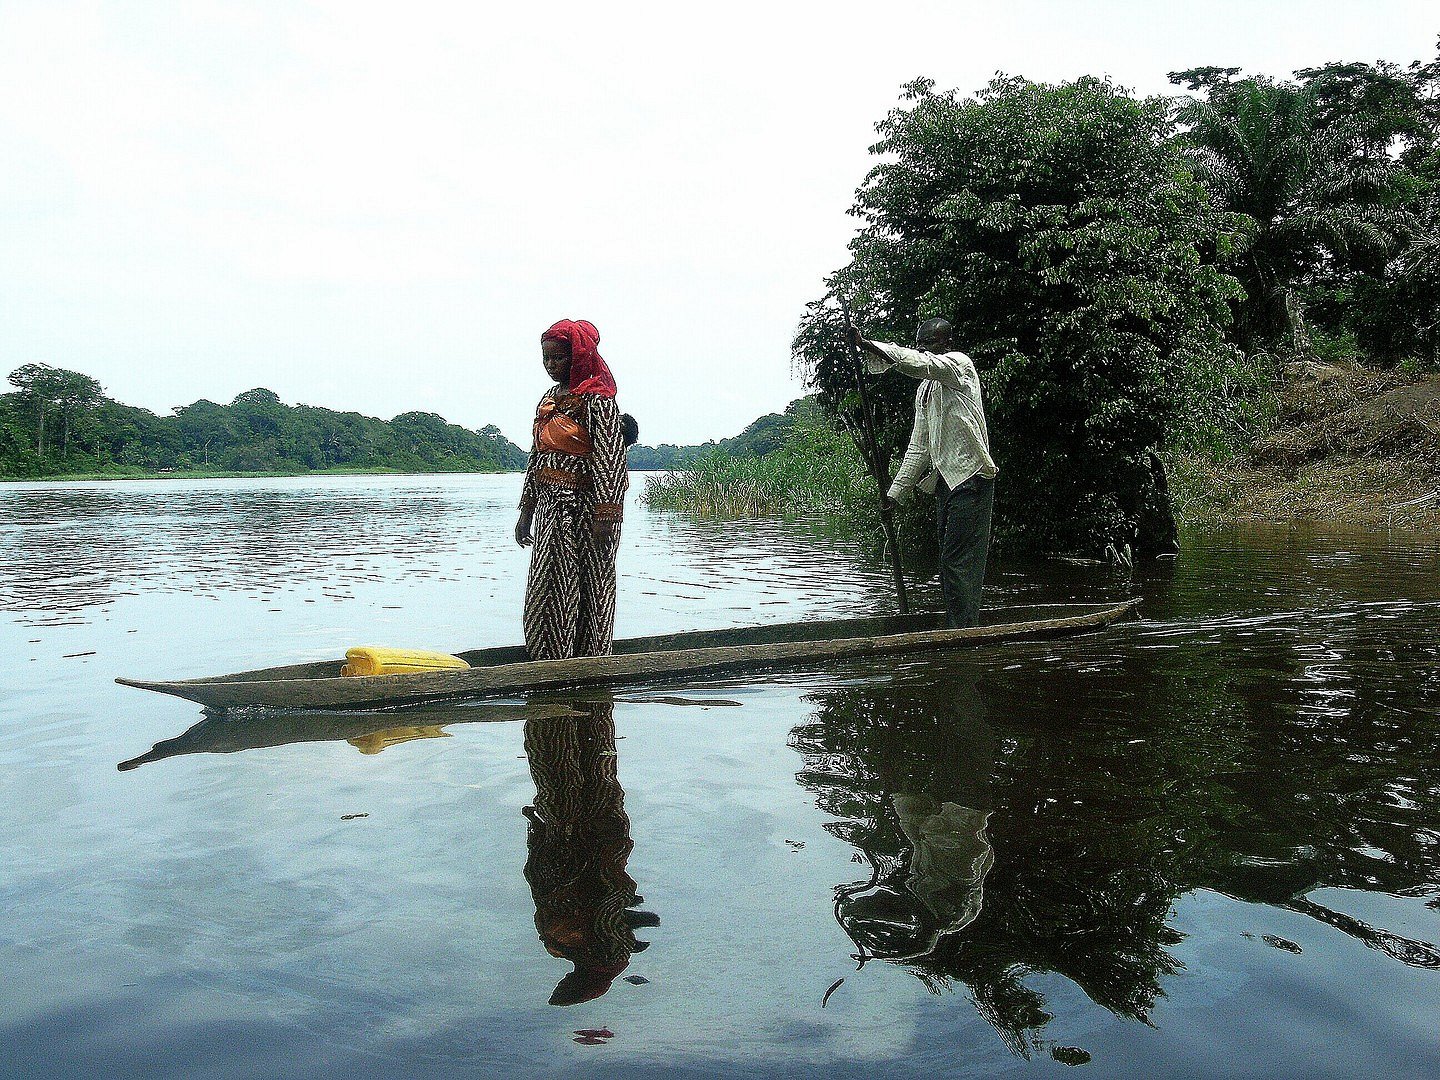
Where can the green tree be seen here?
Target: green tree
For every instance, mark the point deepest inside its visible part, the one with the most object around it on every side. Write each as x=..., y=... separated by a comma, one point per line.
x=1055, y=227
x=1390, y=306
x=78, y=398
x=1397, y=313
x=1390, y=110
x=1311, y=180
x=208, y=430
x=58, y=395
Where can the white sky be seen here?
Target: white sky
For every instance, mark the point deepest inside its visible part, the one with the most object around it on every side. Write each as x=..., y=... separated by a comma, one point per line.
x=379, y=207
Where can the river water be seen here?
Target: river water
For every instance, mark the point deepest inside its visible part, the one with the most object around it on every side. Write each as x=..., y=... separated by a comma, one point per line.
x=1203, y=844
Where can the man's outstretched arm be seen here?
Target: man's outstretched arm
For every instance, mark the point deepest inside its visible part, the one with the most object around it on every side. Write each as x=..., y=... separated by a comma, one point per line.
x=941, y=367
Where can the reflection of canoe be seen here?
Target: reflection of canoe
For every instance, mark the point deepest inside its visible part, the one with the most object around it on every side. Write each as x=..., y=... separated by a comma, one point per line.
x=368, y=732
x=505, y=670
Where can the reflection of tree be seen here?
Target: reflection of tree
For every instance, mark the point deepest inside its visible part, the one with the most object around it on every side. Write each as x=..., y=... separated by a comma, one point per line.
x=1241, y=770
x=579, y=841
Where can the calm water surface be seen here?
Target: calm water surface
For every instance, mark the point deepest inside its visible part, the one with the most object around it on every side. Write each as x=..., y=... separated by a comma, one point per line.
x=1204, y=844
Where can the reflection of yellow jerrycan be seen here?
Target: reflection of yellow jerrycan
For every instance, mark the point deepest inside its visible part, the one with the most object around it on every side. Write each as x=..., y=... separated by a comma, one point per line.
x=376, y=741
x=372, y=661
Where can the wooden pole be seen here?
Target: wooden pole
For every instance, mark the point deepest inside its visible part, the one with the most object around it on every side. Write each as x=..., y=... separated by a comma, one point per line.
x=876, y=462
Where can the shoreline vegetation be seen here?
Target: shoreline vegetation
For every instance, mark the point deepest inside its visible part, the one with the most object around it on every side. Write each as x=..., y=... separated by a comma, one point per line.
x=1339, y=443
x=799, y=464
x=59, y=424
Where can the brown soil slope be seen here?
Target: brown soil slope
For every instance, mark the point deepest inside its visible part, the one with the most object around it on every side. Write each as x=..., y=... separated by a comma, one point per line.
x=1352, y=445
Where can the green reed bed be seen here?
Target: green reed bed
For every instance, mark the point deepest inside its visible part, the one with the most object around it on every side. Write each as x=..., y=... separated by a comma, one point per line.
x=818, y=475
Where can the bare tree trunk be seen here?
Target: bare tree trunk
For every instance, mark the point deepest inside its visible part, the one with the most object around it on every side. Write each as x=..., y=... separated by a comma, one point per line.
x=1298, y=325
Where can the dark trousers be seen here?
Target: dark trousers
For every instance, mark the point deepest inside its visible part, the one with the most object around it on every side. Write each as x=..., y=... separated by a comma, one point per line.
x=962, y=518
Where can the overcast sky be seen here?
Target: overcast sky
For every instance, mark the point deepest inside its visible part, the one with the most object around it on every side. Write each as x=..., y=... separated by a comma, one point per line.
x=379, y=207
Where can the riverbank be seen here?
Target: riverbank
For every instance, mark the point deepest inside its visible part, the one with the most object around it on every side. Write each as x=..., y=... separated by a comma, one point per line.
x=226, y=474
x=1349, y=444
x=1346, y=444
x=1368, y=493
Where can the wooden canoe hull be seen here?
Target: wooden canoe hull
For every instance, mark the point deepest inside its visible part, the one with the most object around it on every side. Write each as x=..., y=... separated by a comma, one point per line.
x=501, y=671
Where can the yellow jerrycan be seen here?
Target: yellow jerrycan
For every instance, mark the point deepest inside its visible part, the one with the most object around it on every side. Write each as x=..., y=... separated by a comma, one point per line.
x=370, y=660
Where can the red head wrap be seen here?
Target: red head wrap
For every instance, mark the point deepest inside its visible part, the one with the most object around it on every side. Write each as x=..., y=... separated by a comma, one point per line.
x=589, y=373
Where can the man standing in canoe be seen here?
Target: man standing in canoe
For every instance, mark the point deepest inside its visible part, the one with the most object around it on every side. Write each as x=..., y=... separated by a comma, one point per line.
x=572, y=501
x=948, y=456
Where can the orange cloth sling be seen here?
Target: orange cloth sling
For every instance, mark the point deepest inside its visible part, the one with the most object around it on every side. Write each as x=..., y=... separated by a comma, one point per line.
x=557, y=430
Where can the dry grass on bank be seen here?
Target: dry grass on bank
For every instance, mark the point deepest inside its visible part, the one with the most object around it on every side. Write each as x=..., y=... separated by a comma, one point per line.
x=1352, y=445
x=1364, y=492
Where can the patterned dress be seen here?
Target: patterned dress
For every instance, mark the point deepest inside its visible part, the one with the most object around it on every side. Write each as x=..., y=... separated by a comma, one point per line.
x=570, y=592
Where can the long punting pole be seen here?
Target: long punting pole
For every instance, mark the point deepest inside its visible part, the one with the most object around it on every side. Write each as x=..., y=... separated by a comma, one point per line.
x=872, y=454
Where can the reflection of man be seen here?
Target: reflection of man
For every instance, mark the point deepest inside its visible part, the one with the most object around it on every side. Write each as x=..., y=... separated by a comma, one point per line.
x=579, y=841
x=915, y=771
x=949, y=858
x=949, y=456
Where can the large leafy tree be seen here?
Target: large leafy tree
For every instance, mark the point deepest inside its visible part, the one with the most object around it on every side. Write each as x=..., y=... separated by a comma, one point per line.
x=55, y=396
x=1056, y=228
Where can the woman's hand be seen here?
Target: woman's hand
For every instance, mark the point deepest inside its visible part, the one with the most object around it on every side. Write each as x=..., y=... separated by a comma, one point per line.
x=602, y=529
x=522, y=530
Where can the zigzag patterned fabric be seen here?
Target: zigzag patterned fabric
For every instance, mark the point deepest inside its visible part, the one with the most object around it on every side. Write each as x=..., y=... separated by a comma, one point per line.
x=570, y=591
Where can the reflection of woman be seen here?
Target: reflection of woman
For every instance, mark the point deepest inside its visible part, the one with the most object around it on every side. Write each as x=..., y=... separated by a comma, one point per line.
x=579, y=841
x=573, y=496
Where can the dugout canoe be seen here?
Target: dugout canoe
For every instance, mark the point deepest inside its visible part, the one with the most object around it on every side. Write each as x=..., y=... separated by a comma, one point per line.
x=506, y=670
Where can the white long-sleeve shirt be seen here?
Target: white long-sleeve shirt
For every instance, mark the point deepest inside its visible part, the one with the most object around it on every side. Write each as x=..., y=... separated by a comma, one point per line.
x=950, y=440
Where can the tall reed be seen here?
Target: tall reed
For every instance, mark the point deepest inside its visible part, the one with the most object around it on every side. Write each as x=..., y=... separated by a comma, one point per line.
x=817, y=471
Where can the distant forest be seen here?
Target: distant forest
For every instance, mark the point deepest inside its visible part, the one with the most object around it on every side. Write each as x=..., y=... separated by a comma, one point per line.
x=760, y=438
x=61, y=423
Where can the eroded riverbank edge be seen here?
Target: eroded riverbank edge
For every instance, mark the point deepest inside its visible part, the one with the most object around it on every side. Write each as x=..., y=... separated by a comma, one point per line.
x=1349, y=445
x=1373, y=493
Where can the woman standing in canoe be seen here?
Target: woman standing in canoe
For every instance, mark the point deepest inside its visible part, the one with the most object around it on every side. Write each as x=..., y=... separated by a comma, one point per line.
x=573, y=498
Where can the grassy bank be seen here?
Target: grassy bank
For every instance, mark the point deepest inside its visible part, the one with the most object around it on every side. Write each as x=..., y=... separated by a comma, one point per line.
x=816, y=471
x=1364, y=492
